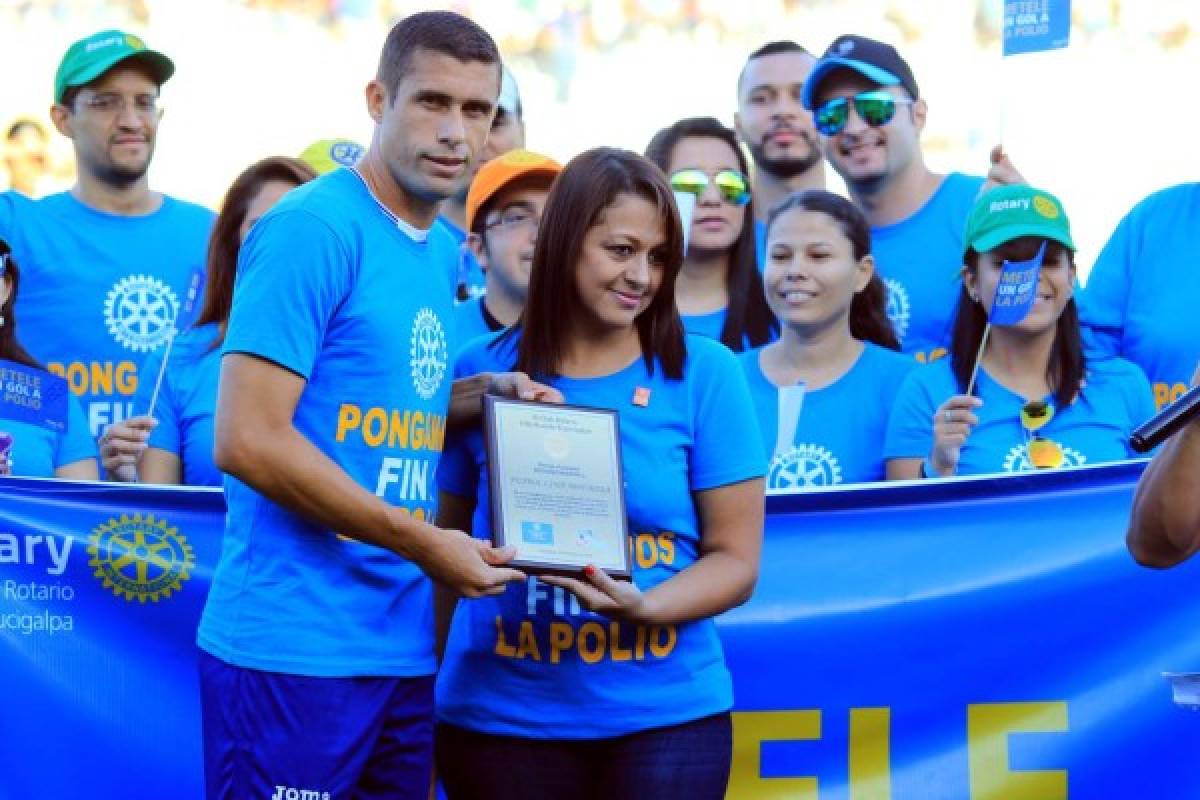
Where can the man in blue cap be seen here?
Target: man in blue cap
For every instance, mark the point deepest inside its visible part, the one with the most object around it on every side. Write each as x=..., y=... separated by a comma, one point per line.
x=869, y=113
x=107, y=264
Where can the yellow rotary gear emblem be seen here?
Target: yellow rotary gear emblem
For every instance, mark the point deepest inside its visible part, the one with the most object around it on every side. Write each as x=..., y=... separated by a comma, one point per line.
x=140, y=557
x=1045, y=206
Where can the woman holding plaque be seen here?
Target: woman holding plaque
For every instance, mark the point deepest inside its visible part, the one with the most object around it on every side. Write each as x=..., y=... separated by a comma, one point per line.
x=824, y=390
x=43, y=433
x=590, y=686
x=719, y=290
x=1017, y=396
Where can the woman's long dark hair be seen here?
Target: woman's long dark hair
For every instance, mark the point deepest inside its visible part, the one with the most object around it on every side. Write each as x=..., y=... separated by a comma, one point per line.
x=225, y=240
x=1066, y=367
x=10, y=347
x=868, y=309
x=748, y=317
x=588, y=185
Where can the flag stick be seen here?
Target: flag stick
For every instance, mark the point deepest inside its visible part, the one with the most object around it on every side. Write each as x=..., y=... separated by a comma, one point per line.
x=162, y=370
x=978, y=358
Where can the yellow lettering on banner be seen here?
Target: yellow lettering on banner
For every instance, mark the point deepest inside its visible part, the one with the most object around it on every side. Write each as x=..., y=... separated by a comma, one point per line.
x=527, y=642
x=503, y=648
x=591, y=654
x=988, y=727
x=349, y=418
x=750, y=730
x=870, y=756
x=562, y=636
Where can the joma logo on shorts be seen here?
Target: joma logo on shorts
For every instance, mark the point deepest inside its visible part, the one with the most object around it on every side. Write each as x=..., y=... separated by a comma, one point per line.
x=288, y=793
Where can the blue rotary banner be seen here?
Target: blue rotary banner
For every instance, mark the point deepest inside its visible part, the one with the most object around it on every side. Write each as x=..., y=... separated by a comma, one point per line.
x=974, y=638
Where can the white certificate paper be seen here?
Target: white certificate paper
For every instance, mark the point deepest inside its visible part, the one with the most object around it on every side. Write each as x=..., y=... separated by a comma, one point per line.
x=557, y=486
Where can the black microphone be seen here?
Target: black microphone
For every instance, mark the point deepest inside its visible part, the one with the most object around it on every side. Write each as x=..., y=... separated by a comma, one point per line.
x=1154, y=431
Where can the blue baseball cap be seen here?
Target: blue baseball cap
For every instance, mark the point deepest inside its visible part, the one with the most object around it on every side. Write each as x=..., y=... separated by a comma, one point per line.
x=874, y=60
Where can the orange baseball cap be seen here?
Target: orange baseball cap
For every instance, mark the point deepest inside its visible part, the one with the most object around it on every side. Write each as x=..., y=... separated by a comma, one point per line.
x=500, y=172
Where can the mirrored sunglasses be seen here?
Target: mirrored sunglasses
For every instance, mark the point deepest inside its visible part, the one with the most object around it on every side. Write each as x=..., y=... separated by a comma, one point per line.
x=1042, y=452
x=875, y=108
x=733, y=186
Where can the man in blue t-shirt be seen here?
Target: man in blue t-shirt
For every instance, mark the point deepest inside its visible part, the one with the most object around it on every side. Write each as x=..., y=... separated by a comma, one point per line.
x=1140, y=298
x=504, y=209
x=108, y=263
x=870, y=114
x=317, y=636
x=507, y=133
x=777, y=129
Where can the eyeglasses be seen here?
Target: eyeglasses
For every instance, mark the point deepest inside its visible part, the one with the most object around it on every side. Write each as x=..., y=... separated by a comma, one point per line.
x=112, y=103
x=513, y=218
x=733, y=185
x=875, y=108
x=1041, y=452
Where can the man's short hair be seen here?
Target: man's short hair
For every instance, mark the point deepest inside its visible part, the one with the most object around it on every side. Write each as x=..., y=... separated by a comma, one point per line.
x=770, y=49
x=440, y=32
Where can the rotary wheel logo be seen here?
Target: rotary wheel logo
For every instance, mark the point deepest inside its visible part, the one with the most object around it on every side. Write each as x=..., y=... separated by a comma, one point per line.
x=140, y=312
x=1017, y=459
x=802, y=467
x=897, y=306
x=1045, y=206
x=140, y=558
x=427, y=353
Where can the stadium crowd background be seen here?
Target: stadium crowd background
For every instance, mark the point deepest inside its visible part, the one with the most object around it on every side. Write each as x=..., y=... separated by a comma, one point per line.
x=1101, y=123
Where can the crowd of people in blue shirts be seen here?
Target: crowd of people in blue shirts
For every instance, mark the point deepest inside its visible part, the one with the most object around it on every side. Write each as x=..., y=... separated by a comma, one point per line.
x=319, y=348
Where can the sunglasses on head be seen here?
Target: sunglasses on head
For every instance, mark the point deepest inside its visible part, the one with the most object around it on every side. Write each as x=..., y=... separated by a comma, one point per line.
x=1042, y=453
x=876, y=108
x=733, y=185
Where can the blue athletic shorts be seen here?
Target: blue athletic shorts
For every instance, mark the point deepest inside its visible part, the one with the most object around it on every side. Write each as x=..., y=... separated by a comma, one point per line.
x=294, y=737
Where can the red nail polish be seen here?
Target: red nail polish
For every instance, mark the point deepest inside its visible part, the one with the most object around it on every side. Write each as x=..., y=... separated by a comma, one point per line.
x=590, y=571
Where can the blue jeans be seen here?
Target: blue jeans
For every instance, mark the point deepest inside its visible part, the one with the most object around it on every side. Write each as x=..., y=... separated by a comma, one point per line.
x=271, y=735
x=688, y=761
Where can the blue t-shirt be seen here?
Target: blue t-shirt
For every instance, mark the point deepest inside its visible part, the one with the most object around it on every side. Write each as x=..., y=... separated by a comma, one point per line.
x=1141, y=296
x=707, y=325
x=186, y=403
x=530, y=662
x=472, y=320
x=99, y=291
x=333, y=288
x=465, y=271
x=38, y=450
x=1114, y=400
x=920, y=260
x=839, y=436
